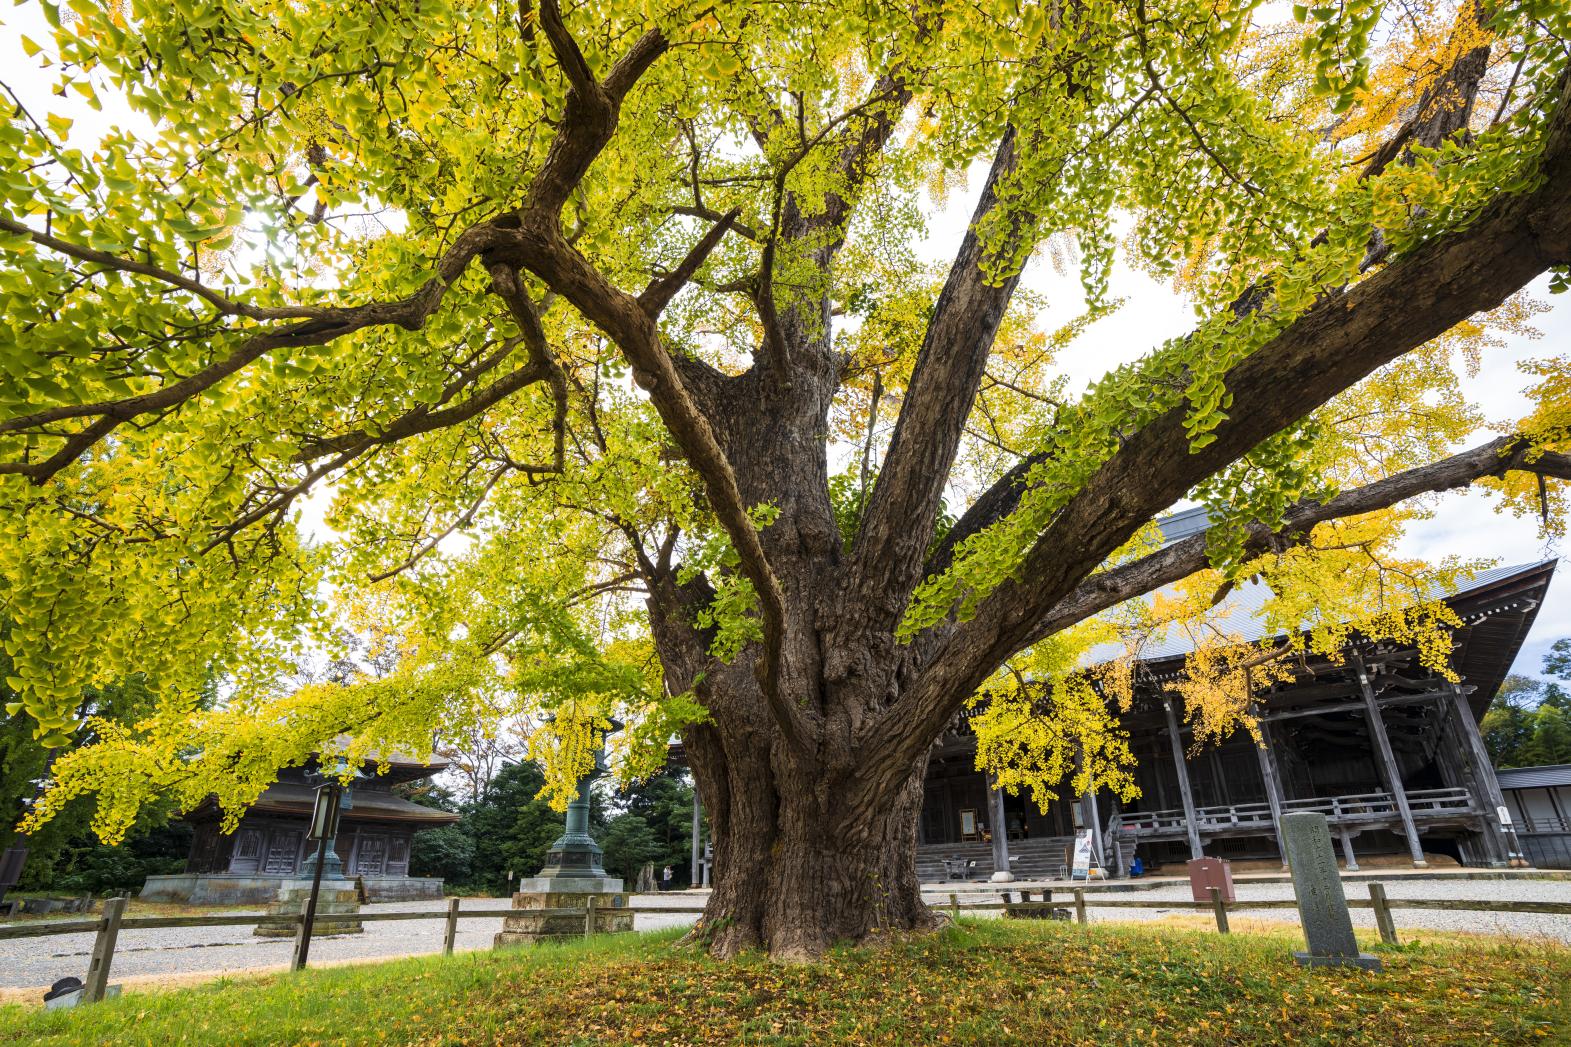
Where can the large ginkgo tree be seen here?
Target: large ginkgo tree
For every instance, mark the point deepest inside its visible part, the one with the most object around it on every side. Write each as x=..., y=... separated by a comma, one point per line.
x=589, y=360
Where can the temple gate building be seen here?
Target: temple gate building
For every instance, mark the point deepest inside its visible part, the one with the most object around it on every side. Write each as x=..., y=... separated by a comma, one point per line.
x=269, y=846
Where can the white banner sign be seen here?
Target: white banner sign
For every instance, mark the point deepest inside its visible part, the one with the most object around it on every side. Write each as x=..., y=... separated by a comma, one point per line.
x=1081, y=870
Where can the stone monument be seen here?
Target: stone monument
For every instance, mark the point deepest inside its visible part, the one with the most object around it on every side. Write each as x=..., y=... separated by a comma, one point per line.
x=1322, y=904
x=339, y=899
x=573, y=877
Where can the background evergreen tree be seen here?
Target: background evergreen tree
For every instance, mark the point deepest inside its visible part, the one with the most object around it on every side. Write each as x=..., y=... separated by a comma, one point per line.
x=64, y=855
x=653, y=823
x=1507, y=726
x=1551, y=742
x=1529, y=721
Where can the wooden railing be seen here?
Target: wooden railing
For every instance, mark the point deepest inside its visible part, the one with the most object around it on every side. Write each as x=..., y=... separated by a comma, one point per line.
x=106, y=929
x=1081, y=900
x=1339, y=810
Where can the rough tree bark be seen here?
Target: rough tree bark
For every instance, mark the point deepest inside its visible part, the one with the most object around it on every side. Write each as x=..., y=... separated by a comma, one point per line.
x=815, y=827
x=811, y=765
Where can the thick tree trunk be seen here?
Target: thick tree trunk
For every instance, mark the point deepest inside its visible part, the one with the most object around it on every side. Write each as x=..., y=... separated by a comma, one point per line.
x=812, y=758
x=797, y=867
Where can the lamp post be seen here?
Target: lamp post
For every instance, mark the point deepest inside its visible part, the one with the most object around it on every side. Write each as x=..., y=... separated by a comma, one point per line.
x=332, y=799
x=573, y=878
x=328, y=850
x=324, y=830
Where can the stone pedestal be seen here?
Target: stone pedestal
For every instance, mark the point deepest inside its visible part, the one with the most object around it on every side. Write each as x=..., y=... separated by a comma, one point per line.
x=544, y=893
x=339, y=899
x=1322, y=904
x=572, y=877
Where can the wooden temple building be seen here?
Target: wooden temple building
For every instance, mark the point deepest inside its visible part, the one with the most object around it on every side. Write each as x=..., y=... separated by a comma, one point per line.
x=269, y=847
x=1540, y=802
x=1388, y=750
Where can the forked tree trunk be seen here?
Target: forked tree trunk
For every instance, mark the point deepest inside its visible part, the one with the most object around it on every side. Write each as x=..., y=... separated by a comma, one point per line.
x=811, y=759
x=798, y=868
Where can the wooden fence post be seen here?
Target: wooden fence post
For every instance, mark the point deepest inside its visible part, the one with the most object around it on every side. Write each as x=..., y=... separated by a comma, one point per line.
x=452, y=927
x=1219, y=906
x=1377, y=900
x=1080, y=905
x=589, y=916
x=954, y=907
x=103, y=951
x=302, y=942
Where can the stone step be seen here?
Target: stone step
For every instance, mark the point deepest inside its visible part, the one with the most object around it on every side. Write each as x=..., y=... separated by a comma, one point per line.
x=1039, y=858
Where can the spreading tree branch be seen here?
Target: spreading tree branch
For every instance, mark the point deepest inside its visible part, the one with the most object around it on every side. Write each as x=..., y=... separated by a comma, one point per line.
x=661, y=290
x=1444, y=110
x=897, y=526
x=332, y=323
x=1336, y=343
x=1188, y=556
x=588, y=121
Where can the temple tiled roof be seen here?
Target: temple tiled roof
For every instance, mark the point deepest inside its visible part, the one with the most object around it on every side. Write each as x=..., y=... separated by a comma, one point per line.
x=374, y=804
x=1548, y=776
x=1242, y=612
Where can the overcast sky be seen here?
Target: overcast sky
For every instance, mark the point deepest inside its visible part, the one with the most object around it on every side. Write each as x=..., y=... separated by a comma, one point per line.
x=1465, y=523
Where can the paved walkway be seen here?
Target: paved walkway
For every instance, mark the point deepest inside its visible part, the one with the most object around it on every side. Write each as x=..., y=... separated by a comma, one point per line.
x=164, y=956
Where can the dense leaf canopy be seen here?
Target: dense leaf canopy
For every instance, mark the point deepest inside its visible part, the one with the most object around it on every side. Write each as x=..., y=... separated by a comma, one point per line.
x=434, y=322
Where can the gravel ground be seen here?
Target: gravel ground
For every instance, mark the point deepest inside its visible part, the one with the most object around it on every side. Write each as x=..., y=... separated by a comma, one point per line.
x=167, y=951
x=177, y=954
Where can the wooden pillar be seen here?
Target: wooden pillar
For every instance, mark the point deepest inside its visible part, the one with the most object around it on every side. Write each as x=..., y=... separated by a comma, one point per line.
x=1266, y=754
x=1270, y=777
x=1377, y=901
x=450, y=930
x=1347, y=850
x=1458, y=770
x=1191, y=823
x=1502, y=842
x=995, y=814
x=1219, y=907
x=1214, y=764
x=1557, y=812
x=695, y=876
x=1092, y=817
x=951, y=817
x=1387, y=760
x=1163, y=800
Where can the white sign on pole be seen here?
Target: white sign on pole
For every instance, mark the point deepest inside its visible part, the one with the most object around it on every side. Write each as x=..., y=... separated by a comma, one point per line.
x=1081, y=869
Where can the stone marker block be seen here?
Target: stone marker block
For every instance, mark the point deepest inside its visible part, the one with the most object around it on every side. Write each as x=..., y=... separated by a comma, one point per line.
x=339, y=898
x=612, y=914
x=1322, y=904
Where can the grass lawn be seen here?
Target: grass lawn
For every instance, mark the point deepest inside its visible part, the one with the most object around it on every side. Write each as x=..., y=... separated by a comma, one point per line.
x=984, y=982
